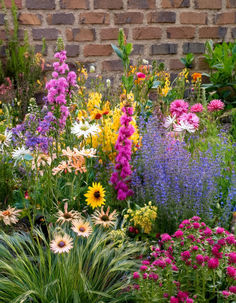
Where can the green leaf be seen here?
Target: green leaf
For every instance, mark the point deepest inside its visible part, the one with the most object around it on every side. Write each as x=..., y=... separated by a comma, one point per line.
x=129, y=48
x=28, y=157
x=156, y=84
x=117, y=51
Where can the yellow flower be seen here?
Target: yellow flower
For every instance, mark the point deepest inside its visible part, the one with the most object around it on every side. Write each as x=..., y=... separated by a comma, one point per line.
x=95, y=195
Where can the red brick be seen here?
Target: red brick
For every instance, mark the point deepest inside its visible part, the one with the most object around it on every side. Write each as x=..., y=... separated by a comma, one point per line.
x=212, y=32
x=74, y=4
x=47, y=33
x=129, y=18
x=226, y=18
x=147, y=33
x=208, y=4
x=175, y=3
x=138, y=50
x=184, y=32
x=112, y=65
x=202, y=64
x=30, y=19
x=8, y=3
x=111, y=33
x=161, y=17
x=40, y=4
x=3, y=34
x=97, y=50
x=80, y=34
x=94, y=18
x=142, y=4
x=72, y=50
x=231, y=3
x=61, y=18
x=175, y=64
x=193, y=18
x=108, y=4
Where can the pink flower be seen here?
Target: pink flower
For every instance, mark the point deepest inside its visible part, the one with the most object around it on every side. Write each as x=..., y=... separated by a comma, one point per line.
x=196, y=218
x=143, y=268
x=230, y=239
x=208, y=231
x=231, y=271
x=190, y=118
x=178, y=107
x=215, y=105
x=220, y=230
x=195, y=248
x=189, y=300
x=136, y=275
x=232, y=257
x=165, y=237
x=145, y=275
x=196, y=108
x=226, y=293
x=186, y=254
x=196, y=225
x=136, y=286
x=174, y=300
x=213, y=263
x=178, y=234
x=145, y=262
x=141, y=75
x=200, y=259
x=232, y=289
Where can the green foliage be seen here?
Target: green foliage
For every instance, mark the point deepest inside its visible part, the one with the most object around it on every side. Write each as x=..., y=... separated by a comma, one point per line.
x=222, y=63
x=93, y=271
x=21, y=64
x=188, y=60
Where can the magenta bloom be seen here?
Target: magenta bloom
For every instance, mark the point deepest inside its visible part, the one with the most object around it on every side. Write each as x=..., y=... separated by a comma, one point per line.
x=121, y=177
x=178, y=234
x=232, y=289
x=136, y=275
x=165, y=237
x=220, y=230
x=178, y=107
x=174, y=300
x=143, y=268
x=141, y=75
x=136, y=286
x=200, y=259
x=226, y=293
x=232, y=258
x=215, y=105
x=213, y=263
x=231, y=271
x=196, y=108
x=190, y=118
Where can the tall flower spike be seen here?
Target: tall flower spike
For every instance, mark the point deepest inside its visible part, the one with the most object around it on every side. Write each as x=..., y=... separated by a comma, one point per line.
x=121, y=177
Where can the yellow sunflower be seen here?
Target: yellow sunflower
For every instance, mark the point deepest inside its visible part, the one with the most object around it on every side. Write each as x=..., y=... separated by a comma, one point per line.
x=95, y=195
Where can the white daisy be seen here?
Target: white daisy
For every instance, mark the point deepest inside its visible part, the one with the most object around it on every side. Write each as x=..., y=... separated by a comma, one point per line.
x=5, y=139
x=184, y=126
x=21, y=153
x=87, y=152
x=169, y=121
x=84, y=129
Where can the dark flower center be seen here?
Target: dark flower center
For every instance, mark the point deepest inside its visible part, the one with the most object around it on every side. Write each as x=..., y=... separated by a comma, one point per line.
x=105, y=218
x=82, y=229
x=97, y=194
x=61, y=244
x=67, y=215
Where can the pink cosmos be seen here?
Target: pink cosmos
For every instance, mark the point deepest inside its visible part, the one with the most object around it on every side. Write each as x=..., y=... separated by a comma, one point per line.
x=215, y=105
x=231, y=271
x=213, y=263
x=141, y=75
x=178, y=107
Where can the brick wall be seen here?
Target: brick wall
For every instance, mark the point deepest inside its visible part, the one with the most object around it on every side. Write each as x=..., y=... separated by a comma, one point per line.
x=159, y=29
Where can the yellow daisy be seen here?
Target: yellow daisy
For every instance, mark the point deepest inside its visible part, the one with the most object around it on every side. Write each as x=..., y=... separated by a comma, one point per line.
x=95, y=195
x=81, y=228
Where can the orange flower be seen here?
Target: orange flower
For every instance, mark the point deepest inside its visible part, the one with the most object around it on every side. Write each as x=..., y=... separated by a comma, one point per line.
x=196, y=76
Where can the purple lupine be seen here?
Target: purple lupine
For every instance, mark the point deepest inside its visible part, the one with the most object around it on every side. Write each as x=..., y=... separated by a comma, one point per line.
x=121, y=177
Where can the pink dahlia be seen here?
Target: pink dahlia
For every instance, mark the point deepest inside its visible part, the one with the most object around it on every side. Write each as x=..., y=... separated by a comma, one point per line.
x=231, y=271
x=191, y=118
x=213, y=263
x=141, y=75
x=178, y=107
x=215, y=105
x=232, y=289
x=196, y=108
